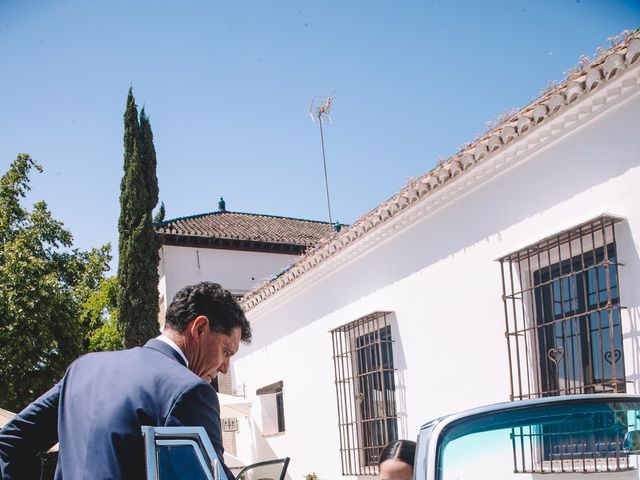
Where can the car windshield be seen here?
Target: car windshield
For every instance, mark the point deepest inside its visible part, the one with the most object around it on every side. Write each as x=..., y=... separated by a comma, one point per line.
x=570, y=438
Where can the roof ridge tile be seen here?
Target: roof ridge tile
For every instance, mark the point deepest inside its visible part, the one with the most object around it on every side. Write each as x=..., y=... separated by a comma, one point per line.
x=218, y=212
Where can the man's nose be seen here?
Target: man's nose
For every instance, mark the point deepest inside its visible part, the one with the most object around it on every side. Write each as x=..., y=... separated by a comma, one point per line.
x=224, y=368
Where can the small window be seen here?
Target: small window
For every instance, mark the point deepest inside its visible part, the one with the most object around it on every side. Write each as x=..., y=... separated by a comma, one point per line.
x=280, y=411
x=272, y=408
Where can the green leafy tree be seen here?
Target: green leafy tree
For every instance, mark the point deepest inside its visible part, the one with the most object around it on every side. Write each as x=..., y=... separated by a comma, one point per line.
x=99, y=317
x=138, y=260
x=43, y=284
x=105, y=338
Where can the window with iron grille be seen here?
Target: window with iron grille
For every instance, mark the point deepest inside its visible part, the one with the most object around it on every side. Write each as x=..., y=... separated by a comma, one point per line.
x=365, y=391
x=564, y=336
x=562, y=309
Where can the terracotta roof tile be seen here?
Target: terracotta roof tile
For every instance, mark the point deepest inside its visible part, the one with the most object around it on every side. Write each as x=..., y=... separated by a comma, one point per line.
x=247, y=227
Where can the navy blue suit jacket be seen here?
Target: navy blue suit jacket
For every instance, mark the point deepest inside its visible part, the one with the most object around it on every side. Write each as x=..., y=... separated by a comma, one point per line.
x=96, y=412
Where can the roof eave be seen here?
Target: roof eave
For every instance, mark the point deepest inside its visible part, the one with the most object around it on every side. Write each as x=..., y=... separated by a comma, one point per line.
x=248, y=245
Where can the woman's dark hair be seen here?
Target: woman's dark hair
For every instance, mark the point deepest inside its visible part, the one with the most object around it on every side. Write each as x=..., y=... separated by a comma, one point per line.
x=212, y=301
x=404, y=450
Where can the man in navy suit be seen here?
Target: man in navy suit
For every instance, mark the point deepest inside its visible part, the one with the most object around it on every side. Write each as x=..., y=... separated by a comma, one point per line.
x=97, y=409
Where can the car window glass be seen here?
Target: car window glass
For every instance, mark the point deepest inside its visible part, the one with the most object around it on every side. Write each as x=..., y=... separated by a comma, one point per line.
x=600, y=438
x=179, y=462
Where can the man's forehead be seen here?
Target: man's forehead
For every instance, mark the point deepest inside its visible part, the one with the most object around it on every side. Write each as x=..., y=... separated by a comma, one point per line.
x=232, y=340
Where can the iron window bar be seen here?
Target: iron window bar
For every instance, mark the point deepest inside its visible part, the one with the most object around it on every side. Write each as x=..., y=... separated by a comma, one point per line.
x=365, y=391
x=562, y=313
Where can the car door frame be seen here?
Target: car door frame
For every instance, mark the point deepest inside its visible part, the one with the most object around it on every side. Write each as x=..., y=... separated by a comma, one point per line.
x=195, y=437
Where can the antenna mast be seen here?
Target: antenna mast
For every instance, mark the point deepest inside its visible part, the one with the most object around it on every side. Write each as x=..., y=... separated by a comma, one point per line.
x=320, y=111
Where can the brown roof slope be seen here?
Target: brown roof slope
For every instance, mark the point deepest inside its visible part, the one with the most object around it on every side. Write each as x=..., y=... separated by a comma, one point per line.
x=250, y=227
x=587, y=78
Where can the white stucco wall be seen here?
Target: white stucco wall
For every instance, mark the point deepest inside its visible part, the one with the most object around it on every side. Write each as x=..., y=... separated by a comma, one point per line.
x=441, y=279
x=236, y=270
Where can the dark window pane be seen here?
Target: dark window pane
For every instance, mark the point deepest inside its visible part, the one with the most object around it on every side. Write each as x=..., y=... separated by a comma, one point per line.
x=178, y=462
x=280, y=409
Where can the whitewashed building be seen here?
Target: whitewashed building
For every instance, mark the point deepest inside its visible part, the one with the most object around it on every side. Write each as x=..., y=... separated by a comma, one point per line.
x=237, y=250
x=511, y=270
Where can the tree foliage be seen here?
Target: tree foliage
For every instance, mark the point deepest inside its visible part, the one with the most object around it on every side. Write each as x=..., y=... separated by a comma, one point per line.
x=138, y=260
x=43, y=284
x=159, y=216
x=99, y=317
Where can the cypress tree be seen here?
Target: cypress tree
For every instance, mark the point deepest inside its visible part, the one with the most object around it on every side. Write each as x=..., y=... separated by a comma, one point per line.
x=159, y=217
x=138, y=244
x=148, y=153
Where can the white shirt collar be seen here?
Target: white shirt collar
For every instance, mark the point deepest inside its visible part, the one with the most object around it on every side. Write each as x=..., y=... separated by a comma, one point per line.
x=172, y=344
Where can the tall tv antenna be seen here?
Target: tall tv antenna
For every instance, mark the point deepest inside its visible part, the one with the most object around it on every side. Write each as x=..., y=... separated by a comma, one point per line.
x=320, y=112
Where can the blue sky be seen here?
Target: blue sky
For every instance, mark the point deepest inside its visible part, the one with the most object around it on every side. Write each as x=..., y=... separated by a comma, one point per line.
x=227, y=86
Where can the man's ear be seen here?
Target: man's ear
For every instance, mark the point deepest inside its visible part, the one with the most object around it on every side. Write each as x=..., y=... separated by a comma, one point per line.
x=199, y=325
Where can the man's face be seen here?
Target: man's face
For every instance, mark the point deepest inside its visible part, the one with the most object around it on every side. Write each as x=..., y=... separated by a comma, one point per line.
x=211, y=352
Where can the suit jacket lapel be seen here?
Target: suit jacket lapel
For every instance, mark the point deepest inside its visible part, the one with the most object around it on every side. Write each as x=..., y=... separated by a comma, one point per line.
x=165, y=348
